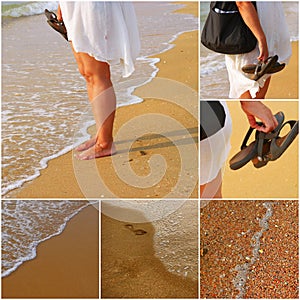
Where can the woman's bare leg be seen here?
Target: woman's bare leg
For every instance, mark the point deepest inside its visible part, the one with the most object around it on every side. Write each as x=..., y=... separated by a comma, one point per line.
x=213, y=189
x=260, y=94
x=103, y=100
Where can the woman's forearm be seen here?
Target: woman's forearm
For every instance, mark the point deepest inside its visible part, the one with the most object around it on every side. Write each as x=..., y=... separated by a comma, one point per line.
x=250, y=17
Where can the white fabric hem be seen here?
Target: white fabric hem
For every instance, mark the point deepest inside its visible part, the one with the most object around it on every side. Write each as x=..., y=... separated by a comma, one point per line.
x=271, y=16
x=214, y=150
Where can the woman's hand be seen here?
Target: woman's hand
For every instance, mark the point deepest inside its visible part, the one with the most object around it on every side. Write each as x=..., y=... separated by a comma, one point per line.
x=256, y=109
x=58, y=14
x=263, y=50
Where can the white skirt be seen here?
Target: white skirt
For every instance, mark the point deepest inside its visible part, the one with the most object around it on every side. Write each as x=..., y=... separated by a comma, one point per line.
x=272, y=19
x=106, y=31
x=214, y=150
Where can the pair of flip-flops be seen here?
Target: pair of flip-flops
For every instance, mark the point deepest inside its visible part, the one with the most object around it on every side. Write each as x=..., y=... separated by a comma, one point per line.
x=266, y=146
x=270, y=66
x=59, y=26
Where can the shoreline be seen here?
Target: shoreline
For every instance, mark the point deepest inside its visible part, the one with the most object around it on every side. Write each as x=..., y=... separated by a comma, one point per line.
x=66, y=260
x=36, y=187
x=67, y=266
x=53, y=235
x=138, y=266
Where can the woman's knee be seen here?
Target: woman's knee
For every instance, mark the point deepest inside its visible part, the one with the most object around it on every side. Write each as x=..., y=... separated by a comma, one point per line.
x=81, y=68
x=212, y=189
x=95, y=75
x=87, y=74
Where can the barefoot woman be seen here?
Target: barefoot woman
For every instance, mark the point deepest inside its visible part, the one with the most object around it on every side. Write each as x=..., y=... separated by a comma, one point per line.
x=101, y=34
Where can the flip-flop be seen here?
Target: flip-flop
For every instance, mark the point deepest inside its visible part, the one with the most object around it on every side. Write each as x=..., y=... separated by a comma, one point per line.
x=278, y=145
x=256, y=148
x=264, y=68
x=252, y=68
x=59, y=26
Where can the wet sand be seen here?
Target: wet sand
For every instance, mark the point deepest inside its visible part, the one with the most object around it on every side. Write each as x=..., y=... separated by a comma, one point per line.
x=66, y=266
x=66, y=177
x=71, y=259
x=227, y=229
x=130, y=264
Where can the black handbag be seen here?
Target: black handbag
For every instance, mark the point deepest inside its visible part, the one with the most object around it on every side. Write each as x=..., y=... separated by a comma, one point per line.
x=212, y=118
x=225, y=30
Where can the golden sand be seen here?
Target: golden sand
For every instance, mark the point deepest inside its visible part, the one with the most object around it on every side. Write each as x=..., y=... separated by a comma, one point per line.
x=67, y=265
x=66, y=177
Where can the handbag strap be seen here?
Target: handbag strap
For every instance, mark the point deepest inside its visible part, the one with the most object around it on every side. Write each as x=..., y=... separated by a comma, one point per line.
x=227, y=6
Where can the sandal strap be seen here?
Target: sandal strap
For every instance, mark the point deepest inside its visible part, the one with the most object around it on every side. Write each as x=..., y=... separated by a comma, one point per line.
x=261, y=140
x=290, y=122
x=246, y=138
x=258, y=67
x=262, y=137
x=51, y=16
x=261, y=157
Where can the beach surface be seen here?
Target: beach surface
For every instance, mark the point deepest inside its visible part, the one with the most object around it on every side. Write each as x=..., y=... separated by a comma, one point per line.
x=229, y=232
x=151, y=139
x=139, y=265
x=278, y=179
x=66, y=266
x=285, y=84
x=130, y=264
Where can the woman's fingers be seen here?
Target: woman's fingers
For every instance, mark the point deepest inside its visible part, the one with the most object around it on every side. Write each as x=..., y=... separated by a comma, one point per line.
x=257, y=110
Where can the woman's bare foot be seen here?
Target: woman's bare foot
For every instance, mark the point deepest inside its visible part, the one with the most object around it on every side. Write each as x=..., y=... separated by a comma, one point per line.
x=86, y=145
x=97, y=151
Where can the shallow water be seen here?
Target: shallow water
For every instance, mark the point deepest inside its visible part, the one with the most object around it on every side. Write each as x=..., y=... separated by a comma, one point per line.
x=175, y=224
x=43, y=95
x=27, y=223
x=176, y=240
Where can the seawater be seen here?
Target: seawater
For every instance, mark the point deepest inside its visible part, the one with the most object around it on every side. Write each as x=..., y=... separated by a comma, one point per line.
x=176, y=240
x=175, y=227
x=44, y=96
x=214, y=82
x=27, y=223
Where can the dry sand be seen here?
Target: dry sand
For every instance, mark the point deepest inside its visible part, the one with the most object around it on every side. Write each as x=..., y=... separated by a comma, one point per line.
x=65, y=178
x=130, y=268
x=66, y=266
x=226, y=232
x=278, y=179
x=285, y=85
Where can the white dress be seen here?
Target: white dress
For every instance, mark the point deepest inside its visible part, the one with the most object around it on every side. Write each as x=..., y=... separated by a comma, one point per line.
x=106, y=31
x=272, y=19
x=214, y=150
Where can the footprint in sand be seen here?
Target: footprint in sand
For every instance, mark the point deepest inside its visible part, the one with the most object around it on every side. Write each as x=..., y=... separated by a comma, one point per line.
x=135, y=231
